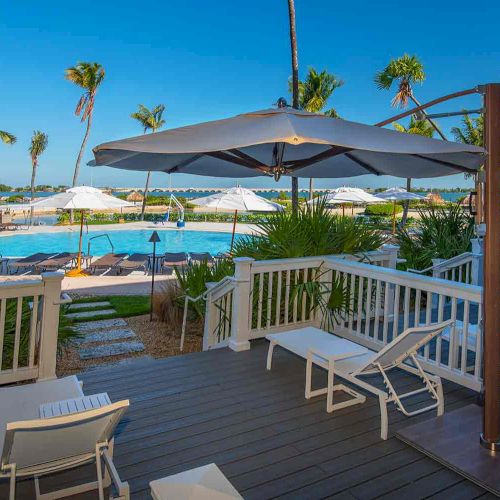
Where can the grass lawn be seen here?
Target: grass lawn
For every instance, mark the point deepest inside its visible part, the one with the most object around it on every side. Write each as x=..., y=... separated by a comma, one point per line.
x=124, y=305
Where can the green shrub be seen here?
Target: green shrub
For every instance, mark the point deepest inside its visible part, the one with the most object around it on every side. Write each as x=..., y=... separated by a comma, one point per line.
x=312, y=231
x=383, y=209
x=439, y=233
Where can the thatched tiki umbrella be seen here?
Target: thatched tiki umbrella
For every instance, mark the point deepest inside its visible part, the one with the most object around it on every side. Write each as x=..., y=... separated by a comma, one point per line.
x=135, y=197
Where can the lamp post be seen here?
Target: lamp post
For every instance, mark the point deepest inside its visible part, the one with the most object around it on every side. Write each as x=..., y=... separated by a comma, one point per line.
x=154, y=239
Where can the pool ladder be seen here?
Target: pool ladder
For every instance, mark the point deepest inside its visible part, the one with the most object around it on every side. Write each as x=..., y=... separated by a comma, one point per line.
x=100, y=236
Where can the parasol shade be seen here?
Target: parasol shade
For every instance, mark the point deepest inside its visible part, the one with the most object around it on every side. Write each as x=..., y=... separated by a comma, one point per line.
x=286, y=141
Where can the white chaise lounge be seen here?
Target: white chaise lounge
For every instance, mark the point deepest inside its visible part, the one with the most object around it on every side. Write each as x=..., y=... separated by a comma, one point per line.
x=351, y=361
x=32, y=446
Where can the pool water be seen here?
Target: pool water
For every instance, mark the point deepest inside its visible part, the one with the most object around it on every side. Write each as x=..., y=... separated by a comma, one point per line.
x=22, y=245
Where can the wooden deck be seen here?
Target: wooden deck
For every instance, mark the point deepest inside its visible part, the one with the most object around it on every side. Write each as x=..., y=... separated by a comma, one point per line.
x=224, y=407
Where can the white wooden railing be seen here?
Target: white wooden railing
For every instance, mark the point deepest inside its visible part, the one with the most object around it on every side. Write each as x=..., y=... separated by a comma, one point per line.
x=464, y=268
x=29, y=323
x=261, y=285
x=382, y=303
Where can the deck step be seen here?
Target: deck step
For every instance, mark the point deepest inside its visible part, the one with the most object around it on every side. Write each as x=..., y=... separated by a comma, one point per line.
x=108, y=350
x=107, y=335
x=100, y=324
x=89, y=314
x=85, y=305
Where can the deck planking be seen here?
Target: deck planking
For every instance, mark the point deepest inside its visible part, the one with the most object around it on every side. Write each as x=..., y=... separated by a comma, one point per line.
x=224, y=407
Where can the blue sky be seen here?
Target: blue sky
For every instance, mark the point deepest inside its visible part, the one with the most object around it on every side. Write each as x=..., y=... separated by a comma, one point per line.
x=209, y=60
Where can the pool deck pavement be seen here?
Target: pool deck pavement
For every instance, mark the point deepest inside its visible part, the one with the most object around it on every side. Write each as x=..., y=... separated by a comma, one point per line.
x=219, y=227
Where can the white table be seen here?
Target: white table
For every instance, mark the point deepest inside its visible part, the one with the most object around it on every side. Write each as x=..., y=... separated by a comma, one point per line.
x=74, y=405
x=206, y=482
x=323, y=349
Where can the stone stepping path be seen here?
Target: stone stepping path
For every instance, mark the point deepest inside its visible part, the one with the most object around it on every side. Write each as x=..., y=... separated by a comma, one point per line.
x=115, y=349
x=101, y=324
x=85, y=305
x=113, y=336
x=106, y=336
x=89, y=314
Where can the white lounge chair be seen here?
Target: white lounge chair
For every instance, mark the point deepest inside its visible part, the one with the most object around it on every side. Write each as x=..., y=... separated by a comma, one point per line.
x=34, y=447
x=351, y=362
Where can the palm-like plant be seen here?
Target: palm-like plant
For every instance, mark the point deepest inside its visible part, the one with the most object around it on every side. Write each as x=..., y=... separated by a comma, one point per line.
x=38, y=145
x=471, y=131
x=406, y=71
x=416, y=127
x=150, y=119
x=89, y=77
x=314, y=93
x=7, y=137
x=316, y=89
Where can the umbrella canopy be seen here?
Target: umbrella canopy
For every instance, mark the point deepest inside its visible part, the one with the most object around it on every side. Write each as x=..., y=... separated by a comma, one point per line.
x=349, y=195
x=82, y=198
x=286, y=141
x=399, y=194
x=237, y=198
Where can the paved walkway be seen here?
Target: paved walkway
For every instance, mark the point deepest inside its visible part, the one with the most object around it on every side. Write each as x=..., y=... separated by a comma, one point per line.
x=102, y=338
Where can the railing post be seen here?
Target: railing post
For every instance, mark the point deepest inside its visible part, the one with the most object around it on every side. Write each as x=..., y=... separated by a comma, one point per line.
x=240, y=320
x=477, y=262
x=209, y=326
x=393, y=251
x=49, y=327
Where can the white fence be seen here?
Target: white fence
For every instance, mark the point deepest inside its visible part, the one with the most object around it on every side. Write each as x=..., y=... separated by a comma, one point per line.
x=29, y=323
x=263, y=298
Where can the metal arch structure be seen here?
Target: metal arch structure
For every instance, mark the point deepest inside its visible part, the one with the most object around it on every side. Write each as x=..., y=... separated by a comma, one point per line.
x=490, y=437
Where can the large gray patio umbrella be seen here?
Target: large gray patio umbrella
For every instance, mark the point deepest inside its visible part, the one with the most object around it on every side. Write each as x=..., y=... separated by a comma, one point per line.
x=286, y=141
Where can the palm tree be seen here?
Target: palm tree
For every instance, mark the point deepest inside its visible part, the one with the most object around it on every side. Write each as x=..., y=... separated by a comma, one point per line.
x=7, y=137
x=150, y=120
x=87, y=76
x=416, y=127
x=406, y=71
x=470, y=131
x=38, y=145
x=295, y=89
x=314, y=93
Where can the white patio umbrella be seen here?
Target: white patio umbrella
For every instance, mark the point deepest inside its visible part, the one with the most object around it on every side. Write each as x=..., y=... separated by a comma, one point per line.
x=398, y=194
x=81, y=198
x=237, y=199
x=346, y=194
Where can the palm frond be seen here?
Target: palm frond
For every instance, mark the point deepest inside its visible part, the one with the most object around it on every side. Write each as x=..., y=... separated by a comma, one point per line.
x=39, y=142
x=150, y=119
x=7, y=137
x=471, y=131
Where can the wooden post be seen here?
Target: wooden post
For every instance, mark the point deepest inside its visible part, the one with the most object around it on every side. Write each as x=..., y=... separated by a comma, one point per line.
x=49, y=327
x=235, y=220
x=490, y=437
x=240, y=319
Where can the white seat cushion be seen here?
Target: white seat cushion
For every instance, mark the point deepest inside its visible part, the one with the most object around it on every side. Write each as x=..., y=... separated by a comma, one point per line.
x=22, y=402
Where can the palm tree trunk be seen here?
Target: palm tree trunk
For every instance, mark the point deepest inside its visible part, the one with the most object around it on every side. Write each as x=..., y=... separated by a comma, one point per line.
x=432, y=122
x=33, y=176
x=146, y=187
x=80, y=156
x=295, y=89
x=406, y=204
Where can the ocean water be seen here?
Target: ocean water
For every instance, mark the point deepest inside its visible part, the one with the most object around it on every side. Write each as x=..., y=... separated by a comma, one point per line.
x=188, y=194
x=22, y=244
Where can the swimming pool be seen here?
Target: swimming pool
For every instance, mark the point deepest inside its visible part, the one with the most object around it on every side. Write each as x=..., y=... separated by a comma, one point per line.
x=21, y=245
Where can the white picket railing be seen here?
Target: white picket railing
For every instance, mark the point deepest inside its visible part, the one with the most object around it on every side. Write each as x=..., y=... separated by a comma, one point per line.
x=29, y=323
x=383, y=302
x=463, y=268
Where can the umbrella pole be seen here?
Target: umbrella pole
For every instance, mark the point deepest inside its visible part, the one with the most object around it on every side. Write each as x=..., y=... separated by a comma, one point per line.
x=393, y=216
x=343, y=210
x=234, y=230
x=77, y=272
